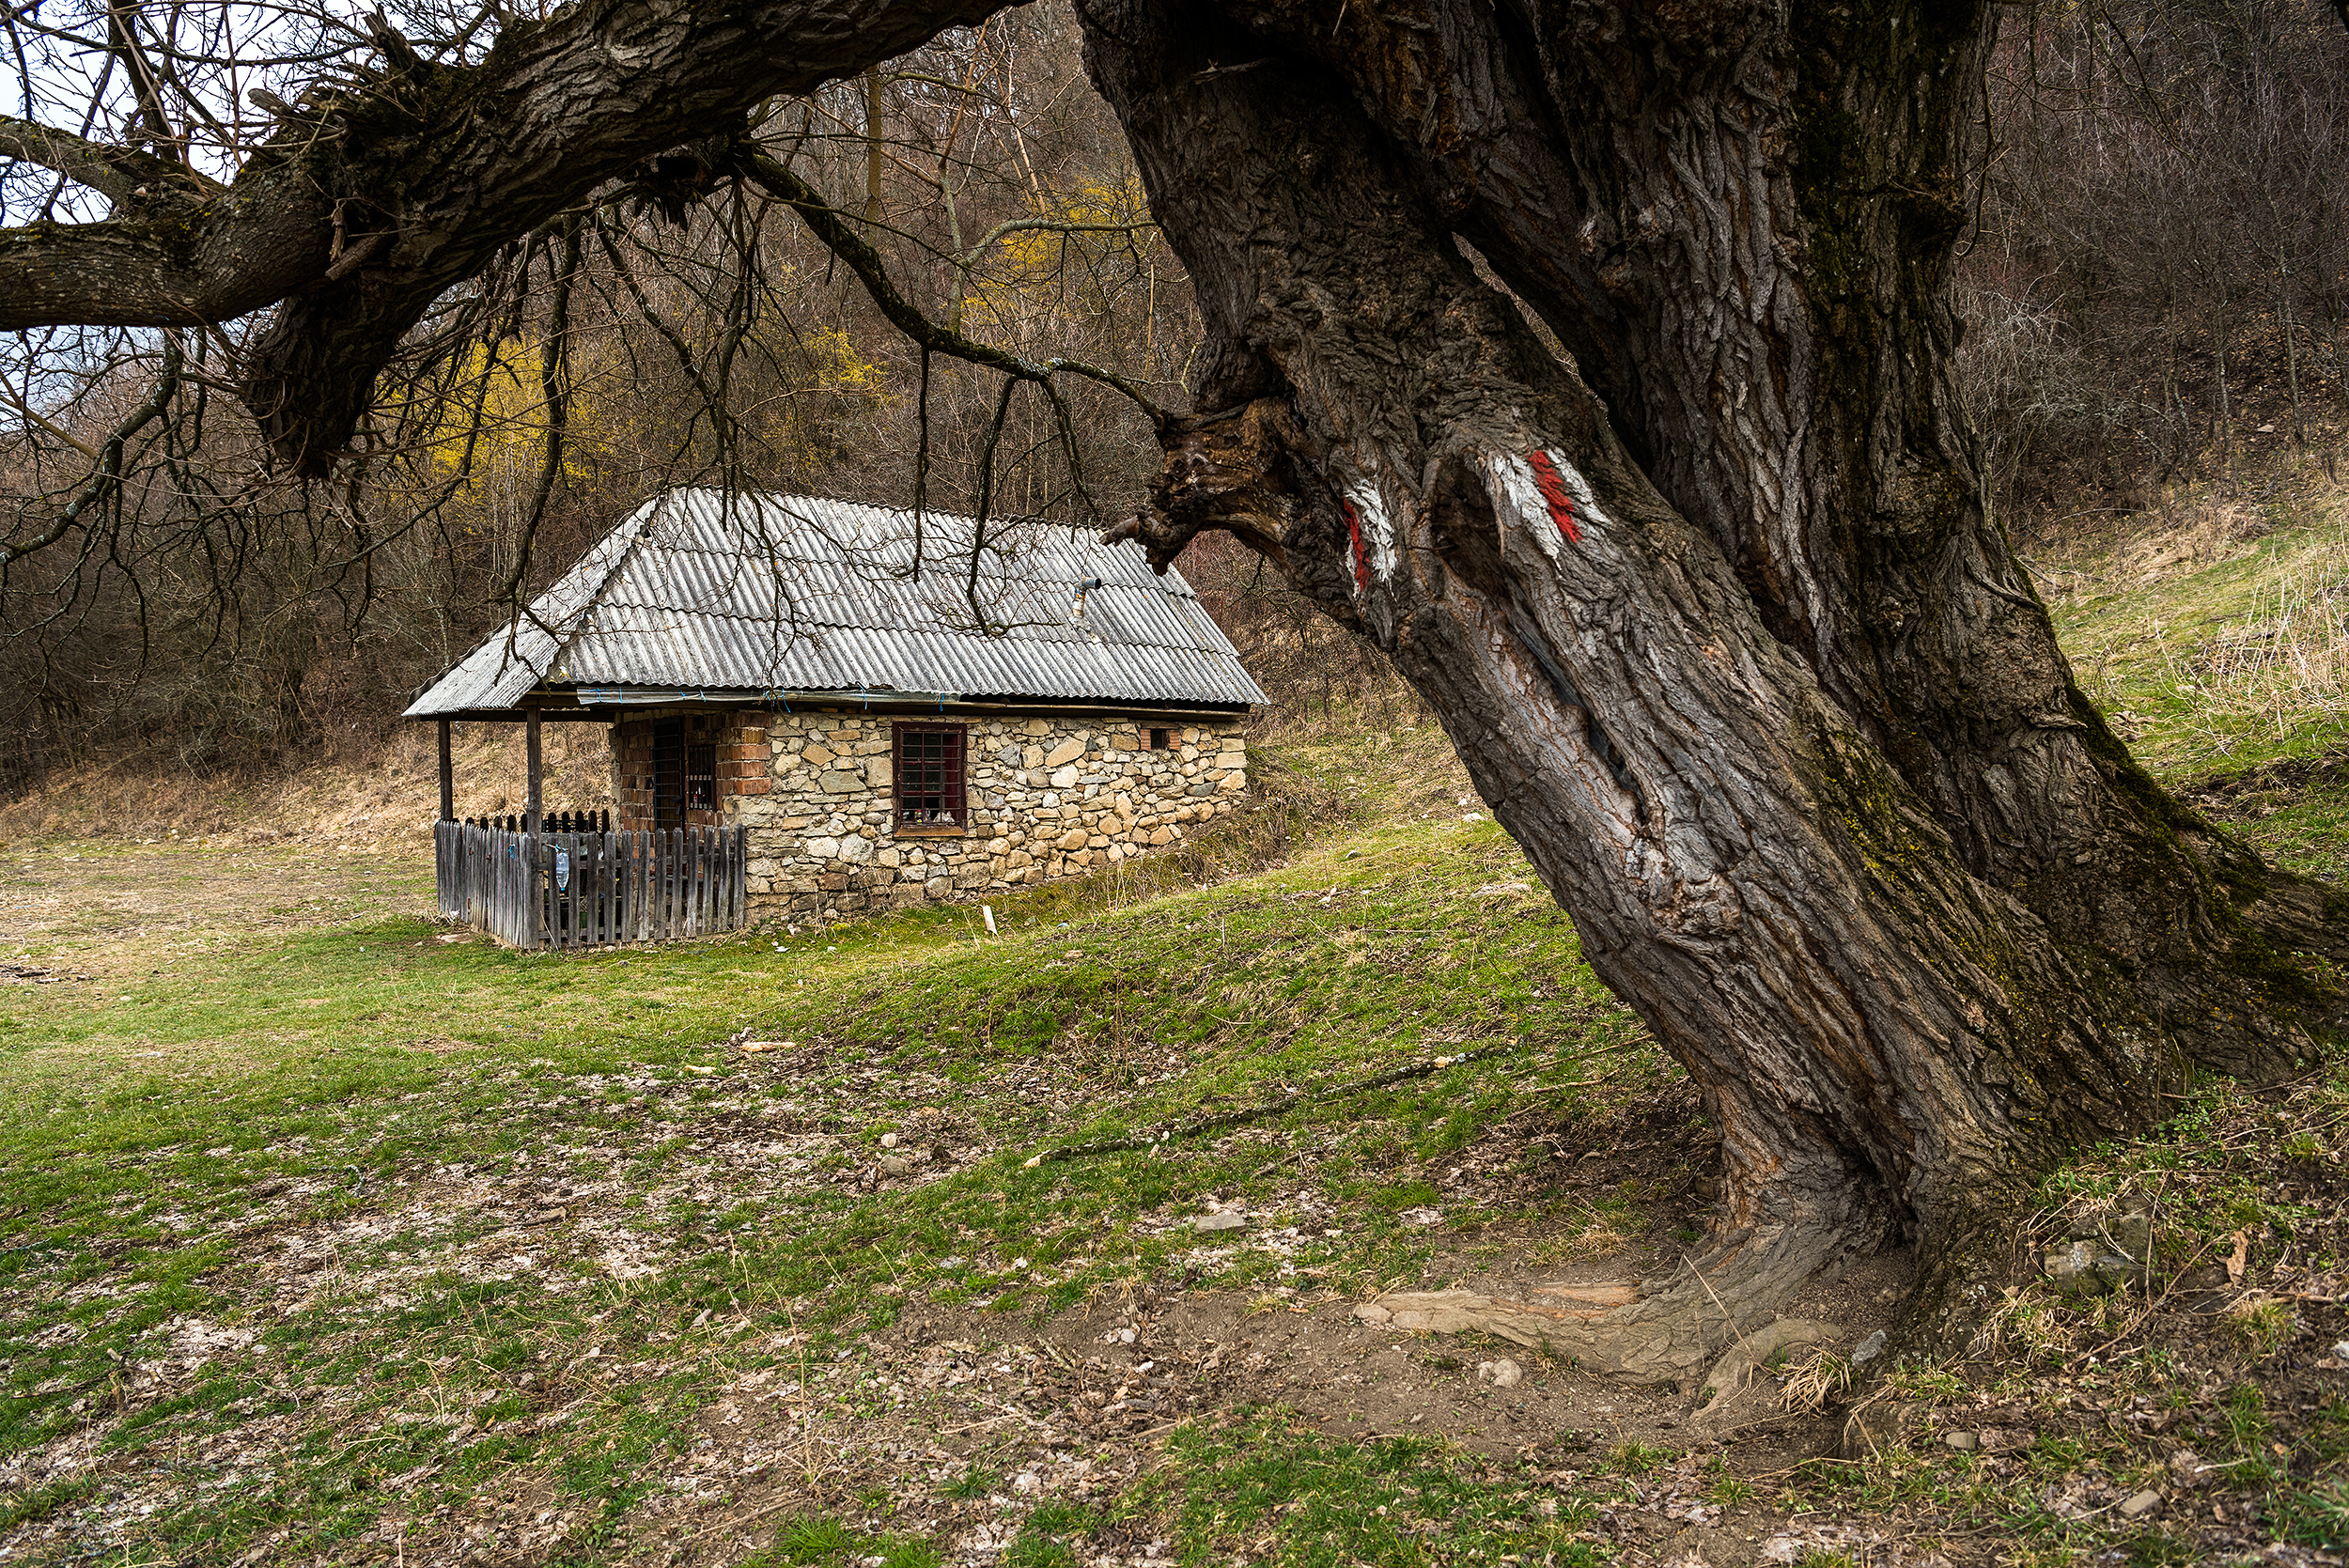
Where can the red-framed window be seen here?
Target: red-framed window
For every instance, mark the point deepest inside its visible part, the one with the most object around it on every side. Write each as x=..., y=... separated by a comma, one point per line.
x=926, y=776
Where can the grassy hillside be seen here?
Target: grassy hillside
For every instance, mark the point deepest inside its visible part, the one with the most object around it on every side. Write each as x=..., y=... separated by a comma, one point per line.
x=2214, y=635
x=329, y=1235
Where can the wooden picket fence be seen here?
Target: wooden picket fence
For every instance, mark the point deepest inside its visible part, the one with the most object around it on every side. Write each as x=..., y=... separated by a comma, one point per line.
x=567, y=889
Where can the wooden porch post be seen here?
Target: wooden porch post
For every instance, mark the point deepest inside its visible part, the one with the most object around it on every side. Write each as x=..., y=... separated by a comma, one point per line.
x=448, y=778
x=530, y=823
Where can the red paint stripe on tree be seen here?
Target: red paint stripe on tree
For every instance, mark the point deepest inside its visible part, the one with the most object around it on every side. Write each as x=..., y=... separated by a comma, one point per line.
x=1553, y=489
x=1354, y=531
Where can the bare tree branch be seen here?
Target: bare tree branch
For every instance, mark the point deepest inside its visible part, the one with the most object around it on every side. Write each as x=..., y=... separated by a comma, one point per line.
x=124, y=44
x=832, y=228
x=124, y=176
x=108, y=476
x=1054, y=226
x=452, y=162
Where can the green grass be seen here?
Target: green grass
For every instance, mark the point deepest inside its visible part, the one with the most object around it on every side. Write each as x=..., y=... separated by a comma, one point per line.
x=1190, y=1004
x=2229, y=665
x=1265, y=1487
x=2234, y=657
x=162, y=1133
x=821, y=1541
x=414, y=1218
x=2204, y=1355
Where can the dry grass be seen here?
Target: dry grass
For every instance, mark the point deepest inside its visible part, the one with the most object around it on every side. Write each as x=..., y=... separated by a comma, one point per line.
x=377, y=795
x=2214, y=635
x=2287, y=668
x=1810, y=1385
x=1602, y=1235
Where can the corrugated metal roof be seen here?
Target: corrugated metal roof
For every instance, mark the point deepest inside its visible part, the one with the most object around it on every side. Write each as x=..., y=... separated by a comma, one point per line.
x=700, y=590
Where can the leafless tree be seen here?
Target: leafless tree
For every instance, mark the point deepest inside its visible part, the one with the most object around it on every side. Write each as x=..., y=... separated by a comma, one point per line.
x=687, y=325
x=2162, y=225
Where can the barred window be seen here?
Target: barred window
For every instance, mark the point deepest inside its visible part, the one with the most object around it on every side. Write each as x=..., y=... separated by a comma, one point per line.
x=926, y=778
x=700, y=778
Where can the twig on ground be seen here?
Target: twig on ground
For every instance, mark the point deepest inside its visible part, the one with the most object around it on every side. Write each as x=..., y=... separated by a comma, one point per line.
x=1270, y=1108
x=1289, y=1159
x=1727, y=1317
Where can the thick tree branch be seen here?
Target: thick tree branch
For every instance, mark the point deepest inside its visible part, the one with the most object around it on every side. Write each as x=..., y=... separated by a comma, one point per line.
x=488, y=152
x=1230, y=469
x=446, y=164
x=226, y=259
x=123, y=176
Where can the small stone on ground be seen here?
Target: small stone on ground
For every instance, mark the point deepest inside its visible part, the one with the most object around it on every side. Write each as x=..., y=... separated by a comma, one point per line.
x=1503, y=1373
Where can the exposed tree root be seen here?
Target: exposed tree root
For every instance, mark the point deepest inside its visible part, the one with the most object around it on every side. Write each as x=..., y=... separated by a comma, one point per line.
x=1672, y=1330
x=1751, y=1352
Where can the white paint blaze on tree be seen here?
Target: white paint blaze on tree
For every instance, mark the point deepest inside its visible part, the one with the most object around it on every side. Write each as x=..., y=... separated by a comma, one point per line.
x=1709, y=602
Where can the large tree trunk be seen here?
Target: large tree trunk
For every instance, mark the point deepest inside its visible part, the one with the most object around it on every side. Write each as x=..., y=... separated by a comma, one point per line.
x=1714, y=612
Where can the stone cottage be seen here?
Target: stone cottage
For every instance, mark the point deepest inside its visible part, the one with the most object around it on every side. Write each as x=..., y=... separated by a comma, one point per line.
x=892, y=713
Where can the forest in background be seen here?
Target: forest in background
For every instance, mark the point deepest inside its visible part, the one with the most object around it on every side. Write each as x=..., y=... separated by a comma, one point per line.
x=2156, y=293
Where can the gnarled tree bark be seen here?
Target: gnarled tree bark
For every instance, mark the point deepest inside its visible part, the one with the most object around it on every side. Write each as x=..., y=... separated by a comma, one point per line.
x=1714, y=612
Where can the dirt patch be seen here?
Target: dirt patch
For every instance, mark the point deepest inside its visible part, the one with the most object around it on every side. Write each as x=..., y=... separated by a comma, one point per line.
x=1860, y=1299
x=984, y=1428
x=959, y=1425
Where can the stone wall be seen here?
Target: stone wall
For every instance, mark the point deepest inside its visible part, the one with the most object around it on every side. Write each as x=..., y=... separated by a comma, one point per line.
x=1045, y=798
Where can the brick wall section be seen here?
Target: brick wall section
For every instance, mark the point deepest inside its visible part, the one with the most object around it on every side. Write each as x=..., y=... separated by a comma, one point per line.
x=743, y=765
x=743, y=762
x=631, y=775
x=1048, y=798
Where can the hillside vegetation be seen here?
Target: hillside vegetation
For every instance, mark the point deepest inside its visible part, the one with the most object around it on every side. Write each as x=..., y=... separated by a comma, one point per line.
x=2216, y=636
x=330, y=1235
